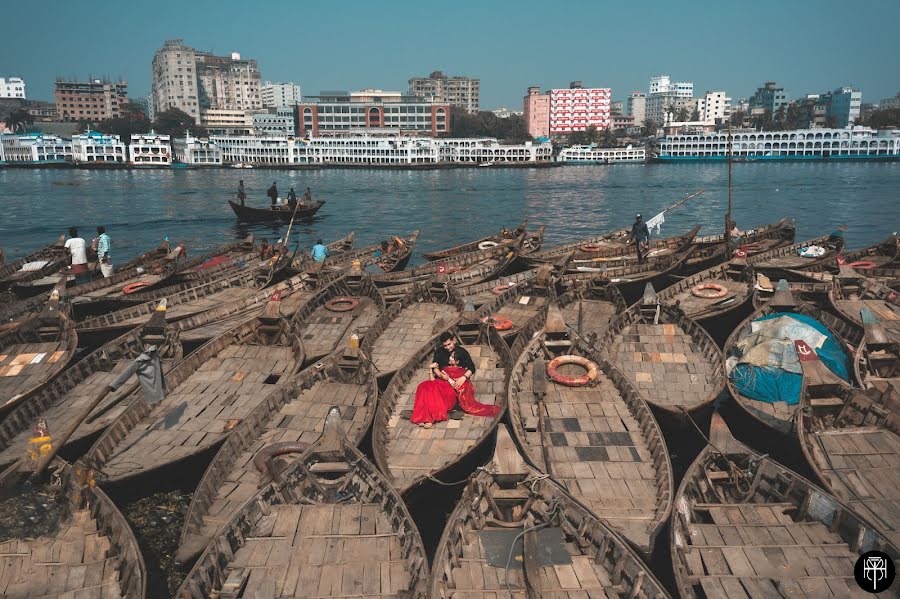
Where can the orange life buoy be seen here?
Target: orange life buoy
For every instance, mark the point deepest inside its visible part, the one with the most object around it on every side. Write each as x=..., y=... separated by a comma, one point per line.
x=709, y=291
x=501, y=289
x=501, y=323
x=129, y=289
x=400, y=243
x=862, y=264
x=592, y=247
x=572, y=381
x=341, y=303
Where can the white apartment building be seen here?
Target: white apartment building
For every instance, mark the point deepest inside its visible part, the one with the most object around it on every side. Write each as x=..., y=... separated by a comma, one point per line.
x=12, y=87
x=662, y=84
x=34, y=148
x=94, y=147
x=193, y=151
x=226, y=121
x=664, y=107
x=150, y=149
x=278, y=95
x=464, y=92
x=175, y=83
x=577, y=108
x=714, y=107
x=637, y=107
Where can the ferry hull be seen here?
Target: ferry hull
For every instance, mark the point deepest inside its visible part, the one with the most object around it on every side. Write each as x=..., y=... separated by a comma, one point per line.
x=839, y=158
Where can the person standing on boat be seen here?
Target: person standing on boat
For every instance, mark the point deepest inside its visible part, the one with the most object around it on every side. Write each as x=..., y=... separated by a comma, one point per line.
x=307, y=197
x=78, y=248
x=319, y=251
x=292, y=199
x=640, y=235
x=273, y=194
x=241, y=195
x=103, y=257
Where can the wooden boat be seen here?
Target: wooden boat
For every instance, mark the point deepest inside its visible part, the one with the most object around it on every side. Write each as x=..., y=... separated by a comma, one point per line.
x=331, y=526
x=811, y=292
x=35, y=265
x=631, y=279
x=566, y=551
x=288, y=421
x=352, y=303
x=208, y=393
x=881, y=255
x=589, y=308
x=744, y=525
x=517, y=304
x=848, y=295
x=598, y=440
x=756, y=240
x=787, y=258
x=35, y=352
x=485, y=293
x=852, y=441
x=612, y=245
x=779, y=415
x=713, y=297
x=675, y=365
x=248, y=213
x=408, y=454
x=504, y=235
x=878, y=356
x=83, y=547
x=410, y=323
x=60, y=401
x=221, y=258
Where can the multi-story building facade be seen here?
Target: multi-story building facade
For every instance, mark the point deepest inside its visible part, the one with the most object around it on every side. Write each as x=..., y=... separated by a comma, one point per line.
x=662, y=84
x=279, y=95
x=12, y=87
x=537, y=112
x=43, y=112
x=664, y=107
x=714, y=107
x=193, y=151
x=226, y=121
x=577, y=108
x=845, y=106
x=95, y=100
x=35, y=149
x=637, y=107
x=617, y=107
x=373, y=111
x=769, y=97
x=464, y=92
x=150, y=150
x=281, y=121
x=98, y=148
x=504, y=112
x=890, y=102
x=194, y=81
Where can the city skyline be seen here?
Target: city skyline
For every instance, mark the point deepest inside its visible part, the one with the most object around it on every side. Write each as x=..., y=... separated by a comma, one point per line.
x=504, y=45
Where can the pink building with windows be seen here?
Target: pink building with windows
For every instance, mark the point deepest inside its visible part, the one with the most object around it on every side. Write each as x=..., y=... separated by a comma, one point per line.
x=577, y=108
x=537, y=112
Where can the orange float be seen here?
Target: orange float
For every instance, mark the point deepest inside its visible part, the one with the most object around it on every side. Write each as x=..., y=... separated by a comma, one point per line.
x=129, y=289
x=501, y=323
x=341, y=303
x=572, y=381
x=709, y=291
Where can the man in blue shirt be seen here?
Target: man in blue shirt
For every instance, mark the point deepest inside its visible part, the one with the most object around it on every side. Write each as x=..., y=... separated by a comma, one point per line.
x=640, y=235
x=103, y=257
x=319, y=251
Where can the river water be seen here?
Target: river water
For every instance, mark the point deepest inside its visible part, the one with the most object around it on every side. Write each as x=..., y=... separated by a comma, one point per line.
x=139, y=207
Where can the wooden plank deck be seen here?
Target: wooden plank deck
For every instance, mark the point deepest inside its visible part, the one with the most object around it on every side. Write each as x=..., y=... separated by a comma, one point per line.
x=413, y=327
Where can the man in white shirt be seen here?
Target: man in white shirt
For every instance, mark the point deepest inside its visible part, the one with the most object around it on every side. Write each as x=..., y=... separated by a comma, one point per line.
x=78, y=248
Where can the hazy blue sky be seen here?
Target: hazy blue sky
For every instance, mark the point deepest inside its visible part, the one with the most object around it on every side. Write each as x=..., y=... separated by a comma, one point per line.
x=805, y=45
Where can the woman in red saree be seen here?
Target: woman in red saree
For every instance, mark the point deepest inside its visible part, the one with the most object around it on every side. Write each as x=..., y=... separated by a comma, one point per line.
x=449, y=384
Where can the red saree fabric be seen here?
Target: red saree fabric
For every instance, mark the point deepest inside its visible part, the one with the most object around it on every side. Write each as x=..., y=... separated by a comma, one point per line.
x=435, y=398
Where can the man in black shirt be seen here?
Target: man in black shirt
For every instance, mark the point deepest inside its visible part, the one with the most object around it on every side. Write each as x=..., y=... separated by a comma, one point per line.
x=442, y=356
x=640, y=235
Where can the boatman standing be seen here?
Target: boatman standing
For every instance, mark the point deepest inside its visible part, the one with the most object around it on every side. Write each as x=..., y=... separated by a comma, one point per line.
x=242, y=195
x=103, y=257
x=78, y=248
x=273, y=194
x=640, y=235
x=307, y=197
x=292, y=199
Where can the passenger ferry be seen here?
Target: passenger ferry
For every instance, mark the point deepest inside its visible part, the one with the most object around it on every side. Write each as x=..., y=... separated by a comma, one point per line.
x=591, y=154
x=35, y=150
x=852, y=143
x=150, y=150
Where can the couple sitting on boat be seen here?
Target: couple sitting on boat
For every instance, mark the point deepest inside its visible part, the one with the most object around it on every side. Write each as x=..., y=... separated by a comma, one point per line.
x=449, y=390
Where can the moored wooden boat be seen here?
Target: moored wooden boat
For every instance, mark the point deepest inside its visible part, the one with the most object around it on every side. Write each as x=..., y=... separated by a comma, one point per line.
x=408, y=454
x=35, y=265
x=87, y=550
x=331, y=527
x=813, y=292
x=848, y=295
x=878, y=356
x=589, y=308
x=756, y=240
x=784, y=258
x=484, y=293
x=598, y=439
x=208, y=393
x=60, y=401
x=565, y=550
x=283, y=214
x=871, y=258
x=411, y=322
x=674, y=364
x=625, y=251
x=613, y=244
x=517, y=304
x=377, y=261
x=285, y=424
x=504, y=235
x=776, y=412
x=35, y=351
x=744, y=525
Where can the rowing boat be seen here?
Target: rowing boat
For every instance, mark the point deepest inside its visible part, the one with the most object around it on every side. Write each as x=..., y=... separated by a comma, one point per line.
x=250, y=214
x=595, y=436
x=331, y=526
x=745, y=525
x=35, y=265
x=515, y=533
x=675, y=365
x=589, y=308
x=780, y=260
x=515, y=304
x=480, y=244
x=848, y=295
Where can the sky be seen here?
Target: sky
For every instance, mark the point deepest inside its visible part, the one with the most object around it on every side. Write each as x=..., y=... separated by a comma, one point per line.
x=806, y=46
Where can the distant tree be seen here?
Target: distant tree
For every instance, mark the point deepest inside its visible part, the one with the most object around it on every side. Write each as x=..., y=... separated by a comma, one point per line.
x=793, y=116
x=779, y=118
x=175, y=122
x=487, y=124
x=19, y=119
x=124, y=127
x=682, y=115
x=831, y=121
x=737, y=118
x=579, y=138
x=650, y=128
x=608, y=139
x=695, y=116
x=879, y=119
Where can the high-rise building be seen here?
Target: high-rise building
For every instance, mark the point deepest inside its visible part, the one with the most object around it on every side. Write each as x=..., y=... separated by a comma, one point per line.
x=537, y=112
x=12, y=87
x=890, y=102
x=714, y=107
x=279, y=95
x=769, y=97
x=577, y=108
x=637, y=107
x=459, y=91
x=372, y=111
x=95, y=100
x=195, y=81
x=662, y=84
x=666, y=99
x=845, y=105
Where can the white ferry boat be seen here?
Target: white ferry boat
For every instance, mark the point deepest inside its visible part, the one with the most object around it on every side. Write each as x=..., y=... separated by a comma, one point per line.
x=194, y=152
x=35, y=150
x=150, y=150
x=99, y=150
x=852, y=143
x=591, y=154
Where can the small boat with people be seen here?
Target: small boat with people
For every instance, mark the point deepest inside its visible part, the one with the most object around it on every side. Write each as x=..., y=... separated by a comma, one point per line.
x=277, y=213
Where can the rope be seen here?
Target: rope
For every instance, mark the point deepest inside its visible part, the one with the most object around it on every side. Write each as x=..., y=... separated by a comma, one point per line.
x=736, y=476
x=552, y=514
x=533, y=480
x=453, y=484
